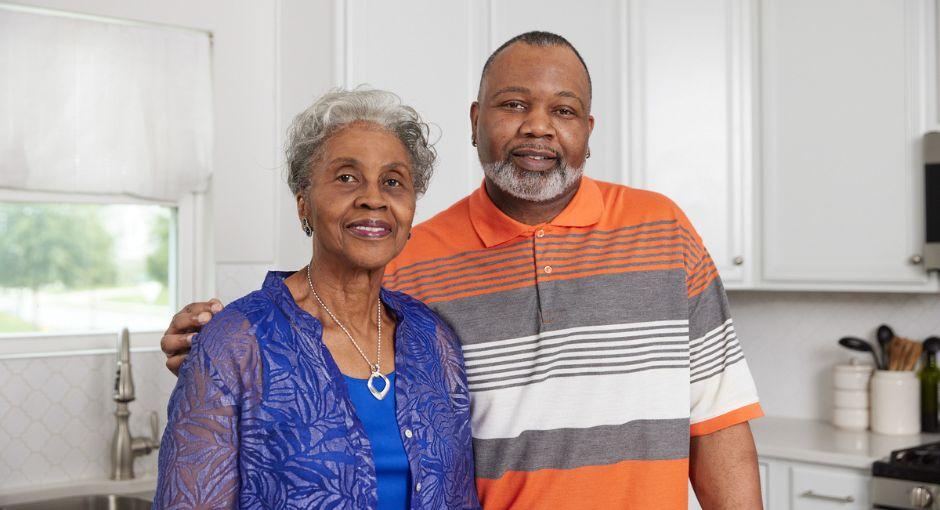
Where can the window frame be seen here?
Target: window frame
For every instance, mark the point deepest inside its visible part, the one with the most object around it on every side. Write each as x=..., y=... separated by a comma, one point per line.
x=189, y=269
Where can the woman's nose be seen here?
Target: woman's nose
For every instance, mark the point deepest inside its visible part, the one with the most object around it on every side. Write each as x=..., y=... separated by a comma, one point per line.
x=371, y=198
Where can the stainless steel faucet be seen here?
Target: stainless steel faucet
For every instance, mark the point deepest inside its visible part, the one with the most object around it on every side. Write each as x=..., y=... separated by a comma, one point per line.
x=124, y=447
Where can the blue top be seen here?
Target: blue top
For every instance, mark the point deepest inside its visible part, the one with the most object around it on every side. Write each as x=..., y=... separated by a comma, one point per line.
x=261, y=416
x=378, y=418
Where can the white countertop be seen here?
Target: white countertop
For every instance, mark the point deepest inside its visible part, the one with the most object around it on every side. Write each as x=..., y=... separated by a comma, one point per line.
x=819, y=442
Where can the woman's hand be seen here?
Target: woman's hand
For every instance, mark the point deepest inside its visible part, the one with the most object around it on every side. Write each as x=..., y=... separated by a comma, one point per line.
x=185, y=324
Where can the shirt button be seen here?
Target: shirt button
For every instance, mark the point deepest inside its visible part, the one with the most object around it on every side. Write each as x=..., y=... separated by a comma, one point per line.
x=540, y=233
x=418, y=487
x=548, y=269
x=408, y=433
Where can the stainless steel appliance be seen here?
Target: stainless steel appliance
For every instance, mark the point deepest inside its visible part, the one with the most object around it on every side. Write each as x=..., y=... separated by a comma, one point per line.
x=908, y=479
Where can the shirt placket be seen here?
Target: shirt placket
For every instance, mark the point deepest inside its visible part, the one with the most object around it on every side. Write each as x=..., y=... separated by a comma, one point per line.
x=543, y=271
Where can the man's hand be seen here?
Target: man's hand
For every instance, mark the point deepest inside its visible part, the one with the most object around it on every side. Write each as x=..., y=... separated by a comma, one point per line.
x=185, y=324
x=723, y=469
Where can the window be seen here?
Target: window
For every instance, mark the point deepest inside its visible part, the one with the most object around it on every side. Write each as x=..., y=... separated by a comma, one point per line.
x=105, y=158
x=68, y=268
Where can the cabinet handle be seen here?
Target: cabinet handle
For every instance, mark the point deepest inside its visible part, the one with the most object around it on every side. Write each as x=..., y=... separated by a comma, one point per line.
x=836, y=499
x=738, y=260
x=916, y=259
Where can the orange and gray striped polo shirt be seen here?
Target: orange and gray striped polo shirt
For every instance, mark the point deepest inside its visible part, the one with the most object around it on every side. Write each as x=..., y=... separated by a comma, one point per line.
x=596, y=344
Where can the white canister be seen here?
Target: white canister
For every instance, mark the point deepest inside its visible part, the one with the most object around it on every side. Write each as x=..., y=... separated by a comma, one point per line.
x=851, y=377
x=895, y=402
x=850, y=399
x=850, y=419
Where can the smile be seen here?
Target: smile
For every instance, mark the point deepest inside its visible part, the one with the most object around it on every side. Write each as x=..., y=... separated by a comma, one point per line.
x=369, y=229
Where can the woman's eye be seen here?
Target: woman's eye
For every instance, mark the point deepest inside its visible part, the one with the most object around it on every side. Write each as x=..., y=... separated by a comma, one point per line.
x=393, y=183
x=344, y=178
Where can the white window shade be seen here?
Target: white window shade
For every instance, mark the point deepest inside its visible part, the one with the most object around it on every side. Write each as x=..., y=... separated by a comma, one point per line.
x=91, y=106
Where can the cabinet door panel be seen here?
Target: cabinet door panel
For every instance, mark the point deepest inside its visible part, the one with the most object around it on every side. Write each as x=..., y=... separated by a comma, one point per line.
x=429, y=53
x=691, y=116
x=821, y=489
x=596, y=30
x=843, y=89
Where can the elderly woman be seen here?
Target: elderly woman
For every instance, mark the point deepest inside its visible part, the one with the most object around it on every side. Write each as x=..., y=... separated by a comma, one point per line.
x=322, y=389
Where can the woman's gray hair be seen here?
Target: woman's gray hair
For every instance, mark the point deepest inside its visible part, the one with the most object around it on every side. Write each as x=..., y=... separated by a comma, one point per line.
x=339, y=108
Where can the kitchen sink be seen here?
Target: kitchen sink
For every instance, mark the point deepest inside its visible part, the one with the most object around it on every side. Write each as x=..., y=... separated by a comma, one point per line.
x=93, y=502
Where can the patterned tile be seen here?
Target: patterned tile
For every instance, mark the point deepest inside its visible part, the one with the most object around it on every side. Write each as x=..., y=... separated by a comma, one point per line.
x=57, y=416
x=791, y=337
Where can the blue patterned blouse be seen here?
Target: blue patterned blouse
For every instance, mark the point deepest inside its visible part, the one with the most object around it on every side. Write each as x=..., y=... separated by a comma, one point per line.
x=261, y=418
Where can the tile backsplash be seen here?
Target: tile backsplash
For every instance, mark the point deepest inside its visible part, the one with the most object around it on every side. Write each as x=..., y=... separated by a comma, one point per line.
x=57, y=416
x=790, y=338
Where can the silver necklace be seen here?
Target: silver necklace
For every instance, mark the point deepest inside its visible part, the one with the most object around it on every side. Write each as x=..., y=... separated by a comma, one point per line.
x=374, y=368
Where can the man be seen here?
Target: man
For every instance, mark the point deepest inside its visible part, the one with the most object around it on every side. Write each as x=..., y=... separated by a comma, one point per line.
x=602, y=363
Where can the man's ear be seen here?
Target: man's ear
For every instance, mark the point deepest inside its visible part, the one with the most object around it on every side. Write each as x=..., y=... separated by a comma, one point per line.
x=474, y=115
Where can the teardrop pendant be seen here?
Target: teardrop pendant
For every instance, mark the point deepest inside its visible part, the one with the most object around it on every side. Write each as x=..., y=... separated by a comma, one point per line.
x=378, y=394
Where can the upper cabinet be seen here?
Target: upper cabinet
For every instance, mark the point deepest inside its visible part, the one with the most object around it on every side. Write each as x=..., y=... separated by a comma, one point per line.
x=788, y=130
x=844, y=96
x=689, y=117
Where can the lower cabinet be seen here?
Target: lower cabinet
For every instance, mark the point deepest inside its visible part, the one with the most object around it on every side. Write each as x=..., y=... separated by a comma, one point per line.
x=762, y=466
x=788, y=485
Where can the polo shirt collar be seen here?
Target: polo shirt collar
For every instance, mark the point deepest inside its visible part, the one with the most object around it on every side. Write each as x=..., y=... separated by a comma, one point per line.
x=495, y=227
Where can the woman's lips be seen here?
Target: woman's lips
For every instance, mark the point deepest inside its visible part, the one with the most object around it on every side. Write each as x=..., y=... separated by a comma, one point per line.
x=370, y=229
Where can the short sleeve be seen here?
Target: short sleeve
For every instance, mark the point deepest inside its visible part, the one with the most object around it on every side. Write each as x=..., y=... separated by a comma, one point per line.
x=198, y=466
x=722, y=389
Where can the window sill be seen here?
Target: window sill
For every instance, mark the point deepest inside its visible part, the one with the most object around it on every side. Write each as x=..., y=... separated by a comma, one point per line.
x=73, y=344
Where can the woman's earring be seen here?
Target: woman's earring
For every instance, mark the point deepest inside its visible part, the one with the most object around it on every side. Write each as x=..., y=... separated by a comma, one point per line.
x=588, y=155
x=409, y=235
x=473, y=141
x=304, y=224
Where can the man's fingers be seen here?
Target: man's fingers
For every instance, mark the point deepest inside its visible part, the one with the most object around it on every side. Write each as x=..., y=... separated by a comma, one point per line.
x=173, y=363
x=176, y=344
x=186, y=322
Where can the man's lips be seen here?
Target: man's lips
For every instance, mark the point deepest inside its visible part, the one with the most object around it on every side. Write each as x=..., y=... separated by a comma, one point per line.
x=369, y=228
x=537, y=160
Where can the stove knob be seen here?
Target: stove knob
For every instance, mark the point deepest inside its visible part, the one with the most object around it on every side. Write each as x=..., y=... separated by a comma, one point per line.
x=921, y=497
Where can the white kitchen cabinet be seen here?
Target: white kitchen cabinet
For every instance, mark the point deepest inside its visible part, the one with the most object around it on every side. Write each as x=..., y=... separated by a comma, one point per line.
x=788, y=130
x=690, y=117
x=789, y=485
x=819, y=488
x=845, y=86
x=762, y=468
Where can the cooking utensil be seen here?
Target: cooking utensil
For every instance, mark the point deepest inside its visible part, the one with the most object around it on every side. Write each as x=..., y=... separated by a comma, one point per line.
x=885, y=334
x=857, y=344
x=932, y=344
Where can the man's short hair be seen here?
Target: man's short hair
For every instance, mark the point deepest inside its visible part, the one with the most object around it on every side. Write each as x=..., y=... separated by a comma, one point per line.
x=541, y=39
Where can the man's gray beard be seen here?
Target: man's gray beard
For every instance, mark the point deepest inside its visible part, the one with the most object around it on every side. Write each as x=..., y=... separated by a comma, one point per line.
x=530, y=185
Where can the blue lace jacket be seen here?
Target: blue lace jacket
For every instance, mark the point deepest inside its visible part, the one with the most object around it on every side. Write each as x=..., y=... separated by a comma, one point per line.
x=261, y=418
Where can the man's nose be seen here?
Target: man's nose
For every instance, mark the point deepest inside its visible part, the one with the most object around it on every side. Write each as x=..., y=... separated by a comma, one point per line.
x=538, y=124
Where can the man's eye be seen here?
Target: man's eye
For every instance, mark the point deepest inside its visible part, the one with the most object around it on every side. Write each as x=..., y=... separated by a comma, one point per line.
x=514, y=105
x=568, y=112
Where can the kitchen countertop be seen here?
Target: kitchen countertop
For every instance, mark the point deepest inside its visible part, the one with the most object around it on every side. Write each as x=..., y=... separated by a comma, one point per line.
x=819, y=442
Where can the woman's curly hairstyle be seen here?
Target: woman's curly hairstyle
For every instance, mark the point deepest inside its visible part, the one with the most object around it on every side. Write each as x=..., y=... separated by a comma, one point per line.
x=339, y=108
